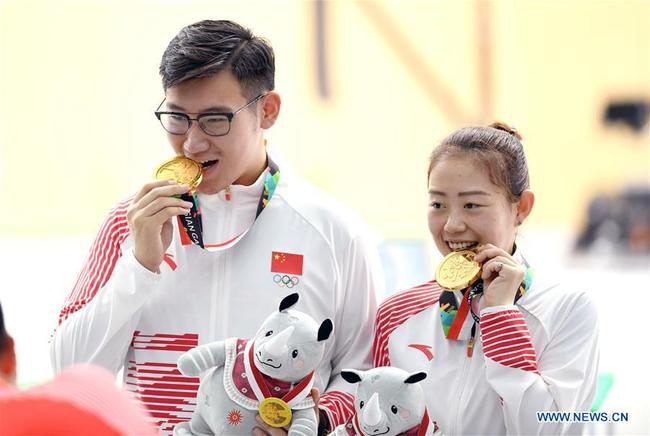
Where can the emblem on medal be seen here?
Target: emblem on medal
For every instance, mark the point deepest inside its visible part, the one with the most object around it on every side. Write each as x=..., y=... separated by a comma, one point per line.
x=181, y=169
x=275, y=412
x=458, y=270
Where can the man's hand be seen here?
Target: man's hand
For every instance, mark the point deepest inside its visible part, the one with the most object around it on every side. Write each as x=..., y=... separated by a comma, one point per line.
x=149, y=217
x=266, y=430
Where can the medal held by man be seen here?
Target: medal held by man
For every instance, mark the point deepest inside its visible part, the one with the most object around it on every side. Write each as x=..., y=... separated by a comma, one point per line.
x=181, y=169
x=187, y=172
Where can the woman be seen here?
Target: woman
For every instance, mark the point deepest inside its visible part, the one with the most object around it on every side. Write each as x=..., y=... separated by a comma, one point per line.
x=522, y=345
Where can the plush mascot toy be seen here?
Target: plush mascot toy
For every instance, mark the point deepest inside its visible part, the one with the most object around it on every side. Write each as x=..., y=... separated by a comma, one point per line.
x=388, y=402
x=271, y=374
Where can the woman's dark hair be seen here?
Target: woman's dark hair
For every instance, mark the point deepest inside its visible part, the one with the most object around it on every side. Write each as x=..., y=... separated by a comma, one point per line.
x=208, y=47
x=3, y=332
x=497, y=147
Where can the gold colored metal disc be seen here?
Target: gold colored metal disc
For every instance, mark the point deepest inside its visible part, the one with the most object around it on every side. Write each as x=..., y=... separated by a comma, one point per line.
x=185, y=171
x=458, y=270
x=275, y=412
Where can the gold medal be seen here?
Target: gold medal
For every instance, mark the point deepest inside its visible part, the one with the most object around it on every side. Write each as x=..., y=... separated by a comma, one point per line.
x=275, y=412
x=181, y=169
x=458, y=270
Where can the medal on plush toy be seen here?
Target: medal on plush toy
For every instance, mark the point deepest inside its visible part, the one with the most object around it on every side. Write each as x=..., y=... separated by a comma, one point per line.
x=181, y=169
x=458, y=270
x=275, y=412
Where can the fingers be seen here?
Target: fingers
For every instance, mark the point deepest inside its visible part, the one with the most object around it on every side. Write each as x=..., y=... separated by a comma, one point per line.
x=161, y=203
x=505, y=268
x=259, y=432
x=152, y=191
x=264, y=429
x=155, y=203
x=315, y=394
x=151, y=185
x=138, y=220
x=486, y=252
x=496, y=266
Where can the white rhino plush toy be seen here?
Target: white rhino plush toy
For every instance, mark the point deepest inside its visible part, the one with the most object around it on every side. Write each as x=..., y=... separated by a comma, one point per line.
x=271, y=374
x=388, y=402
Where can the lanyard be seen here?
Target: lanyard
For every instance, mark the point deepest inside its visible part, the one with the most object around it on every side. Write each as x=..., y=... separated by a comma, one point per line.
x=453, y=316
x=191, y=227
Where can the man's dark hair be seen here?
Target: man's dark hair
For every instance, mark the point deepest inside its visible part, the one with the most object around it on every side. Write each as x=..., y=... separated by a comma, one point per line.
x=205, y=48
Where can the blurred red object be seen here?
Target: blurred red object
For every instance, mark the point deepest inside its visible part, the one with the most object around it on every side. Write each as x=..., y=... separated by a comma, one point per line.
x=82, y=400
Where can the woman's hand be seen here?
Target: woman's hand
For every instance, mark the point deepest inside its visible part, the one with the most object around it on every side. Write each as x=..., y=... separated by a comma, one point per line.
x=502, y=275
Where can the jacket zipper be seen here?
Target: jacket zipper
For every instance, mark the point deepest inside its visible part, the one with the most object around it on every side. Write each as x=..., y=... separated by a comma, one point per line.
x=218, y=322
x=455, y=406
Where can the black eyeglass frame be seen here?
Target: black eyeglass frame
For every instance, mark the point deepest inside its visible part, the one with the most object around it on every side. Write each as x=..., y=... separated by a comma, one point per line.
x=228, y=115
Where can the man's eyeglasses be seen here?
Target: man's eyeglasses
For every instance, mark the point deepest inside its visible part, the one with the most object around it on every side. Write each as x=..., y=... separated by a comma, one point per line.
x=212, y=123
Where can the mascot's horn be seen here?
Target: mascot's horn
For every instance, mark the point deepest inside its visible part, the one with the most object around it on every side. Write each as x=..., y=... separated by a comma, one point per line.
x=372, y=412
x=277, y=346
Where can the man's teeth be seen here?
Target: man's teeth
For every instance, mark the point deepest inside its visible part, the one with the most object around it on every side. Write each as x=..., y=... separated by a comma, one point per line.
x=208, y=163
x=460, y=245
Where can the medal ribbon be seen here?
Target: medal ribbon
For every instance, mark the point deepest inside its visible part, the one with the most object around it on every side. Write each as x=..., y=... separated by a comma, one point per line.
x=191, y=227
x=424, y=425
x=261, y=391
x=453, y=317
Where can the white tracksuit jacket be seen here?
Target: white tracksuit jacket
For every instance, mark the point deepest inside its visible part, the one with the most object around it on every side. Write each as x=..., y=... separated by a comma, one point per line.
x=120, y=314
x=538, y=355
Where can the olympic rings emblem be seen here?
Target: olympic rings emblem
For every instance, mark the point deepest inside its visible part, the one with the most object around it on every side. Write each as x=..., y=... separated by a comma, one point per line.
x=285, y=280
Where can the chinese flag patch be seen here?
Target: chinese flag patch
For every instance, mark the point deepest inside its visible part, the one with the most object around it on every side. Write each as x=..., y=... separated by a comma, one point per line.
x=286, y=263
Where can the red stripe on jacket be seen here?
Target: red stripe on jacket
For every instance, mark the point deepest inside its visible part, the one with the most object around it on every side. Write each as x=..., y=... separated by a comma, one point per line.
x=338, y=406
x=101, y=260
x=506, y=340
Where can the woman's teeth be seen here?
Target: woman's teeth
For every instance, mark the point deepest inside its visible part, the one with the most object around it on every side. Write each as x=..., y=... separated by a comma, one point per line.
x=461, y=245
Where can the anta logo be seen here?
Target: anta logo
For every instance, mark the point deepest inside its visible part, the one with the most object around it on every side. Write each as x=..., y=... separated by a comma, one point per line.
x=287, y=267
x=169, y=260
x=425, y=349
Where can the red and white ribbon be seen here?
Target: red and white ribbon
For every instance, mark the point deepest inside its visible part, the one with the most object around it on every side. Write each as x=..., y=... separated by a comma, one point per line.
x=261, y=391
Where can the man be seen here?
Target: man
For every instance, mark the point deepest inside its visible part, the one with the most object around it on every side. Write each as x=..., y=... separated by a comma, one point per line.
x=167, y=273
x=82, y=400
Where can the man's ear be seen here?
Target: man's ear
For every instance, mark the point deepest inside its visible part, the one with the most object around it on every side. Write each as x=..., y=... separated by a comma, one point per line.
x=525, y=206
x=8, y=361
x=270, y=104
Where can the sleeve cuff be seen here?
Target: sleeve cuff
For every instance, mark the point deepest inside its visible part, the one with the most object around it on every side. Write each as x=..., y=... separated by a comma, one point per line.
x=495, y=309
x=130, y=262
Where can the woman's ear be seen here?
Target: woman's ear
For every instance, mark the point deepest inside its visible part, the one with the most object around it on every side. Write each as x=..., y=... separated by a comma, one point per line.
x=525, y=206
